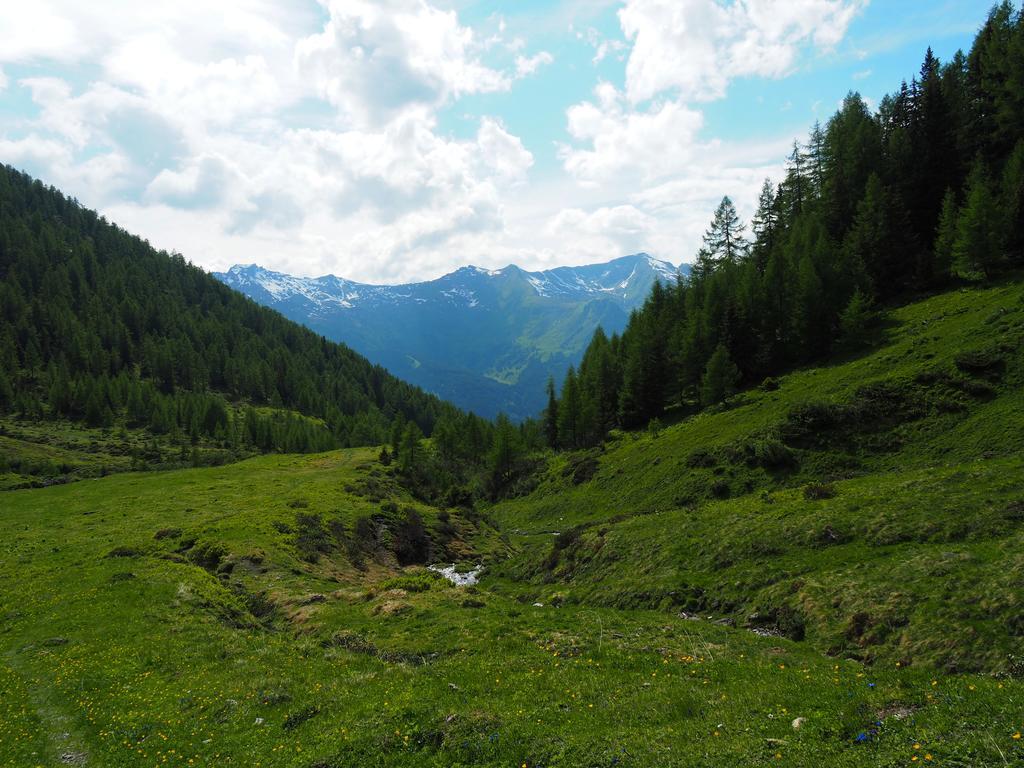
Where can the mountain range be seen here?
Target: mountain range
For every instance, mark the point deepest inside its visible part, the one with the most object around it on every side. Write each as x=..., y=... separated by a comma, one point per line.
x=487, y=340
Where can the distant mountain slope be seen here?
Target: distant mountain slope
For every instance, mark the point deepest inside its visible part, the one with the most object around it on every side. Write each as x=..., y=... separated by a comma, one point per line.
x=97, y=326
x=485, y=339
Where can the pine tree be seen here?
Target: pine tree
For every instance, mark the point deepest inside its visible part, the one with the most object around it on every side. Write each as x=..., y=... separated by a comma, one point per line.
x=720, y=378
x=882, y=240
x=945, y=237
x=977, y=249
x=764, y=226
x=409, y=451
x=505, y=453
x=397, y=432
x=6, y=392
x=1012, y=198
x=796, y=187
x=569, y=411
x=812, y=321
x=446, y=439
x=856, y=319
x=724, y=239
x=551, y=416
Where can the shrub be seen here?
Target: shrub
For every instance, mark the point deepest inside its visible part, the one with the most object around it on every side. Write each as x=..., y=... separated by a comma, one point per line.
x=123, y=552
x=568, y=538
x=813, y=417
x=772, y=453
x=411, y=542
x=701, y=458
x=295, y=719
x=207, y=555
x=819, y=491
x=312, y=538
x=979, y=361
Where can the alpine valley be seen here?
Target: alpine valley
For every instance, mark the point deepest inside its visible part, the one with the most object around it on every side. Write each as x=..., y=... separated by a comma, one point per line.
x=768, y=513
x=486, y=340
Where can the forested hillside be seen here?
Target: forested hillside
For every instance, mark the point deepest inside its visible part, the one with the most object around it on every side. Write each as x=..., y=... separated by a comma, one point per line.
x=925, y=192
x=98, y=327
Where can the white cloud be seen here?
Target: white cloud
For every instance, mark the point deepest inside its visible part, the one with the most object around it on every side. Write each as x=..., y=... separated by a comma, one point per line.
x=618, y=229
x=273, y=135
x=3, y=80
x=503, y=152
x=602, y=46
x=696, y=47
x=647, y=144
x=376, y=58
x=528, y=65
x=308, y=135
x=646, y=141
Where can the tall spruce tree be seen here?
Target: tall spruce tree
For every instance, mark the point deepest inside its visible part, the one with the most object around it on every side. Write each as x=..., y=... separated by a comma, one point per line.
x=1012, y=200
x=724, y=241
x=720, y=378
x=977, y=249
x=569, y=412
x=945, y=236
x=551, y=416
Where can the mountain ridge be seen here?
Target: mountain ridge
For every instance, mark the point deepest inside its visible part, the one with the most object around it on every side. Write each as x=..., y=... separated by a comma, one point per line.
x=546, y=282
x=486, y=339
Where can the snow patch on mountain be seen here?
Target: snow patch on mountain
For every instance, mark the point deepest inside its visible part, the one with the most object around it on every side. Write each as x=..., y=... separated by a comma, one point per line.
x=628, y=278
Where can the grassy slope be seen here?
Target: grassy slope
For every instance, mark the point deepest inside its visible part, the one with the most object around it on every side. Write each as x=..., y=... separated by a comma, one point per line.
x=640, y=473
x=150, y=659
x=916, y=558
x=169, y=665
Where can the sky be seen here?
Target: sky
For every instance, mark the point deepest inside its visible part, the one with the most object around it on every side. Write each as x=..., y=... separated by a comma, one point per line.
x=389, y=141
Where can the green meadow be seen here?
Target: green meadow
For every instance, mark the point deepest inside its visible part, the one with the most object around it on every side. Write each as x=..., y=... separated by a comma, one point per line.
x=772, y=583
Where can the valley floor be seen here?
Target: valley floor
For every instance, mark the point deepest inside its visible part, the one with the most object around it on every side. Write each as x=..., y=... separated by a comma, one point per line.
x=121, y=646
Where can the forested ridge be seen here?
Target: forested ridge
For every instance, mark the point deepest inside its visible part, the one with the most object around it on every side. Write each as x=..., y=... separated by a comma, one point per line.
x=875, y=207
x=96, y=326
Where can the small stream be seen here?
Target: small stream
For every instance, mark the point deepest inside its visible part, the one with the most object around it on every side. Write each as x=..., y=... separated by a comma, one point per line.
x=467, y=579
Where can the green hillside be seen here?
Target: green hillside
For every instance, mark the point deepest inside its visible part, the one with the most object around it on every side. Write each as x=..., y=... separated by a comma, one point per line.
x=872, y=507
x=100, y=331
x=260, y=613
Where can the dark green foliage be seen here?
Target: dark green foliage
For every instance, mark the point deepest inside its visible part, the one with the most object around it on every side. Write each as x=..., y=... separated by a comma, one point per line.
x=96, y=326
x=720, y=378
x=1013, y=204
x=411, y=542
x=873, y=208
x=977, y=249
x=570, y=415
x=819, y=491
x=857, y=320
x=207, y=554
x=551, y=416
x=724, y=242
x=945, y=236
x=312, y=537
x=506, y=453
x=295, y=719
x=980, y=361
x=410, y=449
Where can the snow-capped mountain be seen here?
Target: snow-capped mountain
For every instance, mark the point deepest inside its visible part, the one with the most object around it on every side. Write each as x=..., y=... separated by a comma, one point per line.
x=484, y=339
x=628, y=278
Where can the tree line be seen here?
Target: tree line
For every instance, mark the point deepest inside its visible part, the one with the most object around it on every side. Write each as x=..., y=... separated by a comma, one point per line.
x=876, y=206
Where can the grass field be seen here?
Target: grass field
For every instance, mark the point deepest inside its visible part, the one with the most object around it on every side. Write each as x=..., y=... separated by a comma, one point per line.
x=828, y=571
